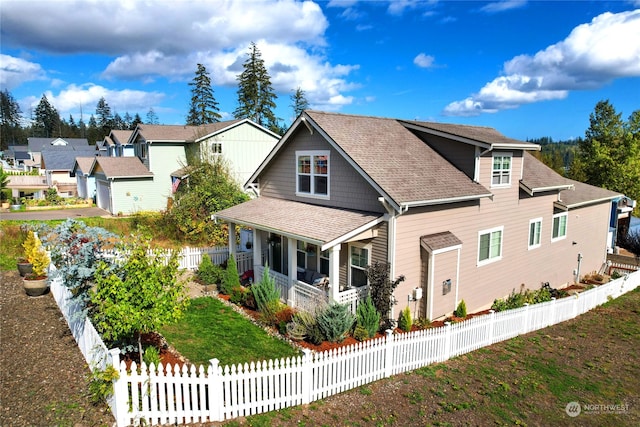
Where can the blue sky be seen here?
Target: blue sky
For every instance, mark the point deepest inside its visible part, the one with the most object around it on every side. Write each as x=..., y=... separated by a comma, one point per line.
x=527, y=68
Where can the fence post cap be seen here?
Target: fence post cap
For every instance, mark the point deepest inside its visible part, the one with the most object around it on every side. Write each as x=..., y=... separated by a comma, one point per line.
x=214, y=362
x=388, y=332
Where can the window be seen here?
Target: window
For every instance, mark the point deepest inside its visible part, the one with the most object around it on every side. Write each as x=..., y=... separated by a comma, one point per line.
x=312, y=174
x=535, y=227
x=358, y=260
x=216, y=148
x=143, y=151
x=501, y=171
x=559, y=230
x=301, y=254
x=490, y=245
x=324, y=262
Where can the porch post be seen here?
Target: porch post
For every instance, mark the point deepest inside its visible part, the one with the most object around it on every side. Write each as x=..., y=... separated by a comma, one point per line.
x=257, y=250
x=232, y=239
x=293, y=270
x=334, y=273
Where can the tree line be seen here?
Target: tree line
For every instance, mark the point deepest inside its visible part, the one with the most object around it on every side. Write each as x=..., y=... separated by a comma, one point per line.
x=256, y=101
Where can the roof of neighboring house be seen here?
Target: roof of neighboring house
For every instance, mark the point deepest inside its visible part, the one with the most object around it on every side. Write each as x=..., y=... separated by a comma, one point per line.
x=584, y=194
x=538, y=177
x=300, y=220
x=21, y=155
x=27, y=182
x=121, y=136
x=63, y=159
x=181, y=173
x=183, y=133
x=83, y=164
x=37, y=144
x=121, y=167
x=107, y=141
x=414, y=174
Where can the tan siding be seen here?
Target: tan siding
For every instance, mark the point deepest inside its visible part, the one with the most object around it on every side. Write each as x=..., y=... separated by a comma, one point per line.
x=446, y=265
x=347, y=189
x=379, y=250
x=480, y=285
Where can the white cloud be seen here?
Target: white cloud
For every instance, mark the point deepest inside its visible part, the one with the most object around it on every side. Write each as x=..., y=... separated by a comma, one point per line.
x=75, y=98
x=501, y=6
x=591, y=56
x=15, y=71
x=161, y=39
x=424, y=61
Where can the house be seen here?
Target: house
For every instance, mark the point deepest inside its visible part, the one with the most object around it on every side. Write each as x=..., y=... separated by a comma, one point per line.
x=117, y=144
x=18, y=156
x=57, y=163
x=463, y=212
x=37, y=145
x=85, y=183
x=123, y=184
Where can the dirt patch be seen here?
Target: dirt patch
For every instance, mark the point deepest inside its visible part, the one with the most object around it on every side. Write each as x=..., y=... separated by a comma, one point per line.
x=43, y=375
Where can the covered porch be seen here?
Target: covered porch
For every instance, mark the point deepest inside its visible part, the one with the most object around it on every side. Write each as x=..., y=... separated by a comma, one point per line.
x=315, y=253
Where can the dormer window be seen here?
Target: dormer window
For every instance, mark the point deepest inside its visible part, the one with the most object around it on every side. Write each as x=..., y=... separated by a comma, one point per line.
x=312, y=173
x=501, y=170
x=143, y=150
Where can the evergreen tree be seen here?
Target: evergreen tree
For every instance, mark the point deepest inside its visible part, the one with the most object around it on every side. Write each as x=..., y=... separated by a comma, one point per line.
x=256, y=98
x=203, y=108
x=93, y=132
x=104, y=116
x=74, y=131
x=127, y=119
x=300, y=102
x=152, y=117
x=46, y=118
x=9, y=119
x=118, y=122
x=137, y=120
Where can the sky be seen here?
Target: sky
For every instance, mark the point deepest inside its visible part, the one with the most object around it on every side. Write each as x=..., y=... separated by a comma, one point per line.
x=529, y=69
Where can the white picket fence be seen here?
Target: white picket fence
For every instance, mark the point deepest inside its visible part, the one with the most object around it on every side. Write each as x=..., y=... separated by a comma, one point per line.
x=162, y=395
x=190, y=258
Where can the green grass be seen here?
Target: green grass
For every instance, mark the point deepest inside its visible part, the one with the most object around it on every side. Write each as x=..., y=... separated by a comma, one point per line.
x=210, y=329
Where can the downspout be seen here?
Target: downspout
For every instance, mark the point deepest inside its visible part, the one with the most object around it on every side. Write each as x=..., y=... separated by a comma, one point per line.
x=391, y=242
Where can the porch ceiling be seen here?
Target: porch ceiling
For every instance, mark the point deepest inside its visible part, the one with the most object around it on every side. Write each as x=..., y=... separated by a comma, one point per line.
x=318, y=224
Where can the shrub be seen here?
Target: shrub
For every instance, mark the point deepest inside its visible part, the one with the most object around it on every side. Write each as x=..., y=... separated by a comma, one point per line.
x=238, y=295
x=405, y=321
x=151, y=355
x=335, y=321
x=516, y=300
x=231, y=277
x=304, y=326
x=265, y=292
x=101, y=384
x=461, y=310
x=381, y=288
x=360, y=333
x=367, y=317
x=36, y=255
x=208, y=272
x=422, y=323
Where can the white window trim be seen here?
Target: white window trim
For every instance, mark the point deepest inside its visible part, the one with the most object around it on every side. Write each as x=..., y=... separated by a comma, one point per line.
x=535, y=245
x=312, y=193
x=566, y=226
x=144, y=150
x=350, y=266
x=490, y=231
x=502, y=154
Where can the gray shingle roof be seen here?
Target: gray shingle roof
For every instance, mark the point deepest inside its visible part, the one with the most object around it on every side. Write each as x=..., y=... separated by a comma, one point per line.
x=310, y=222
x=63, y=159
x=435, y=241
x=122, y=167
x=584, y=194
x=403, y=166
x=180, y=132
x=37, y=144
x=537, y=176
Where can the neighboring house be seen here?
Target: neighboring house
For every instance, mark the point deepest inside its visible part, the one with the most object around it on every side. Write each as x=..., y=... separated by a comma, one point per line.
x=123, y=185
x=29, y=186
x=57, y=163
x=117, y=144
x=85, y=183
x=163, y=149
x=463, y=212
x=18, y=155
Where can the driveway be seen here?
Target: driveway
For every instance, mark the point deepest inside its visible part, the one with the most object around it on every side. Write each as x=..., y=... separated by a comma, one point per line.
x=54, y=214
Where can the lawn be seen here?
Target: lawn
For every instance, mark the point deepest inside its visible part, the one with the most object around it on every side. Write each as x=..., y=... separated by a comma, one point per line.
x=210, y=329
x=529, y=380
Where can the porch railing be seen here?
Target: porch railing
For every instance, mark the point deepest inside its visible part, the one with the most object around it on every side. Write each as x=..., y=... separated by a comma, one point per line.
x=306, y=297
x=353, y=297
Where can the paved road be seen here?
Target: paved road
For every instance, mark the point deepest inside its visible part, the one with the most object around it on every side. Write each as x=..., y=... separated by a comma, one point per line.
x=54, y=214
